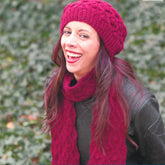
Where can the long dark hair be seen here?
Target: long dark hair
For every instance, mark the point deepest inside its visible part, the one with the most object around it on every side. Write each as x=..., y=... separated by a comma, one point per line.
x=109, y=74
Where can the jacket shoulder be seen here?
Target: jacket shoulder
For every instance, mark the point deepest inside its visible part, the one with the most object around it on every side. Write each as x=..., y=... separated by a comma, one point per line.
x=50, y=77
x=137, y=96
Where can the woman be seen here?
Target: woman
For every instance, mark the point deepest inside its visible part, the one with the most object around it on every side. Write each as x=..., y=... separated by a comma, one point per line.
x=96, y=110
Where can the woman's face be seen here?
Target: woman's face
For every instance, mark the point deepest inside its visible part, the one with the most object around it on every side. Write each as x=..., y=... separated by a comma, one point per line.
x=80, y=44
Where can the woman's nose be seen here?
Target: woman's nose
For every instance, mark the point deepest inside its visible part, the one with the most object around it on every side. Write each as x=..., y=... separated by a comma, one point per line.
x=71, y=41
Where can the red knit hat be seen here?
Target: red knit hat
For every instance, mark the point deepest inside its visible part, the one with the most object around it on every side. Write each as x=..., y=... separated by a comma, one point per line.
x=102, y=17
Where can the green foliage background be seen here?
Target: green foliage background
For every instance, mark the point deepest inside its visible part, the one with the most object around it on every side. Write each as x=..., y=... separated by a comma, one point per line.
x=28, y=32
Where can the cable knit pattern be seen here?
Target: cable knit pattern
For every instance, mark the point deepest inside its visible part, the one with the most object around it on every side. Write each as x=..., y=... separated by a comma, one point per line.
x=64, y=136
x=102, y=17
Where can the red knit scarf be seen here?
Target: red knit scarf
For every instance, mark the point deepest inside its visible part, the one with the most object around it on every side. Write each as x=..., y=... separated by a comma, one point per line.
x=64, y=136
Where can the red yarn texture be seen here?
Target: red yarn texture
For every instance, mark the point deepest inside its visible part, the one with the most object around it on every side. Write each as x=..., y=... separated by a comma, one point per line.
x=102, y=17
x=64, y=135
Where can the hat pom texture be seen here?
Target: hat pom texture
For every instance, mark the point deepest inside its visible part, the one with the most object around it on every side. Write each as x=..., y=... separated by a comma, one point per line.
x=102, y=17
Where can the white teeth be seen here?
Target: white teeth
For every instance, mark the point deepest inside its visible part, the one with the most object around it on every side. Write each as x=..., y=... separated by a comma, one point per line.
x=73, y=55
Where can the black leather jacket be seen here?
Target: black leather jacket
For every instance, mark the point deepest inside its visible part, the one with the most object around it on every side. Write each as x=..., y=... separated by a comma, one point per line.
x=146, y=127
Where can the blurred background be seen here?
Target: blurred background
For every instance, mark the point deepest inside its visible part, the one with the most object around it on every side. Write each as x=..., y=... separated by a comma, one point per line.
x=29, y=30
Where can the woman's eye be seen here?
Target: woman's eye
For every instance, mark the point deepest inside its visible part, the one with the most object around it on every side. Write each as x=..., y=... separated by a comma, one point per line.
x=84, y=36
x=66, y=32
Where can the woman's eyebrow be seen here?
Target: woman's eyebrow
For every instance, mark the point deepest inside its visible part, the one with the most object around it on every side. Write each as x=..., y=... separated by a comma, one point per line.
x=84, y=30
x=67, y=27
x=79, y=30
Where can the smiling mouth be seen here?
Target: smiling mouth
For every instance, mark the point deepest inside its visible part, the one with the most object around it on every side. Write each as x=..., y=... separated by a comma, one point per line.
x=72, y=57
x=69, y=54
